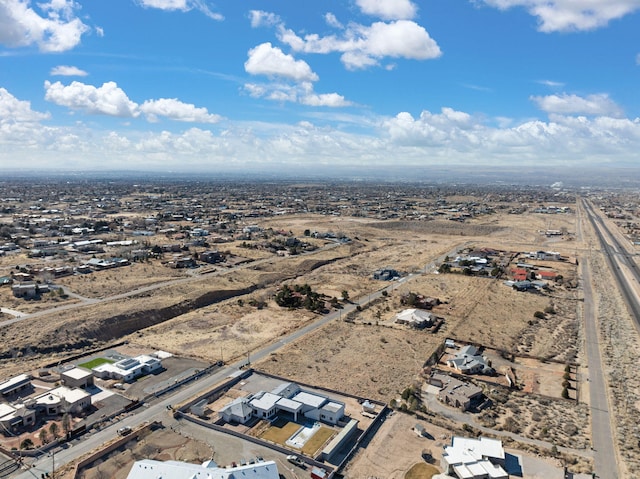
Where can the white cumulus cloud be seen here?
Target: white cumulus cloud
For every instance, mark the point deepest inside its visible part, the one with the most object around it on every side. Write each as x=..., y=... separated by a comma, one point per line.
x=302, y=93
x=13, y=110
x=571, y=15
x=54, y=27
x=595, y=105
x=174, y=109
x=68, y=71
x=388, y=9
x=108, y=99
x=182, y=6
x=266, y=59
x=363, y=46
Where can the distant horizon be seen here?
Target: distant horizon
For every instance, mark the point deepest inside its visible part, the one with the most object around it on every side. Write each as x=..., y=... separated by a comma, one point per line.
x=610, y=177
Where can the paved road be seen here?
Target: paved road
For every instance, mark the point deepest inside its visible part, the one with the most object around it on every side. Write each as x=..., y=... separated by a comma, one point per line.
x=605, y=456
x=12, y=312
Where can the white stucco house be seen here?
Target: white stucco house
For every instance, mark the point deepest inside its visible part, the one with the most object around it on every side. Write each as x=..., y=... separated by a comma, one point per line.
x=150, y=469
x=416, y=318
x=128, y=369
x=287, y=398
x=468, y=458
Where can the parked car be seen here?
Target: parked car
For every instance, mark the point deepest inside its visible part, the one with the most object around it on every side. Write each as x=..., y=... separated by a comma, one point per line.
x=295, y=460
x=123, y=431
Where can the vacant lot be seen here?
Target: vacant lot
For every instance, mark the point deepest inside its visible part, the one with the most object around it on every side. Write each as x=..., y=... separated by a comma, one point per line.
x=102, y=284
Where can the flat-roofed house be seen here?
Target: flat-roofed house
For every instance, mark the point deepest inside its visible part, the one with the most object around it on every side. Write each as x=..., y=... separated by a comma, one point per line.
x=63, y=399
x=128, y=369
x=77, y=378
x=15, y=384
x=468, y=458
x=416, y=318
x=150, y=469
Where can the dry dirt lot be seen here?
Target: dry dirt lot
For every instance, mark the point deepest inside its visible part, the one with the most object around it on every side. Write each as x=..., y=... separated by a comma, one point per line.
x=396, y=448
x=102, y=284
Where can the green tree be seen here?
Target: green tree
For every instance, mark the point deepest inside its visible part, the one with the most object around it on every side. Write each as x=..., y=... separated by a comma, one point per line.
x=53, y=430
x=26, y=444
x=66, y=423
x=42, y=435
x=345, y=295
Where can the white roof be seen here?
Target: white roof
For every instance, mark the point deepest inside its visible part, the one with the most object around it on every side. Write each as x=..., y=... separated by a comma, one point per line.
x=289, y=405
x=463, y=472
x=9, y=383
x=77, y=373
x=470, y=457
x=309, y=399
x=414, y=316
x=484, y=447
x=55, y=395
x=6, y=409
x=265, y=402
x=149, y=469
x=332, y=406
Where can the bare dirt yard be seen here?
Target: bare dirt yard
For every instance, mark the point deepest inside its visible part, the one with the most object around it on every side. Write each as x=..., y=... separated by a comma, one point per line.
x=396, y=448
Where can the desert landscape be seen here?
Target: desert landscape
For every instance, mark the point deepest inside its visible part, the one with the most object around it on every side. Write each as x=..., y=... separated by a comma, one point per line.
x=226, y=310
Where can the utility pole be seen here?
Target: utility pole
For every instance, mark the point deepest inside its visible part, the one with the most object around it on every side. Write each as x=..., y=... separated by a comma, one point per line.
x=53, y=463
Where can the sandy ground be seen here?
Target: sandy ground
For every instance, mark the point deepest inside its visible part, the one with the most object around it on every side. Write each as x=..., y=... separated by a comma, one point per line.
x=370, y=357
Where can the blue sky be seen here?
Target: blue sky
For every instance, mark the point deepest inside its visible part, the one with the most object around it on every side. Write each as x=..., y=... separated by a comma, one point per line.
x=196, y=85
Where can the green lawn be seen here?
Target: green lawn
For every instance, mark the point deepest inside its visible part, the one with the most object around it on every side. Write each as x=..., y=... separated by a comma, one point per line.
x=96, y=362
x=280, y=431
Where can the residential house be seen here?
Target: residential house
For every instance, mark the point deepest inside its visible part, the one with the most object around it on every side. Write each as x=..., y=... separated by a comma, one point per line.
x=15, y=384
x=15, y=417
x=546, y=275
x=77, y=378
x=454, y=392
x=237, y=411
x=27, y=290
x=128, y=369
x=416, y=318
x=469, y=361
x=468, y=458
x=287, y=398
x=211, y=256
x=151, y=469
x=63, y=399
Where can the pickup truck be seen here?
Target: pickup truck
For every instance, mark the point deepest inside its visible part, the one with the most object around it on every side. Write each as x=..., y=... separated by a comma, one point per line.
x=295, y=460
